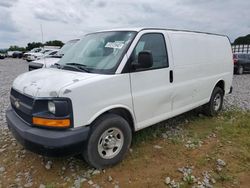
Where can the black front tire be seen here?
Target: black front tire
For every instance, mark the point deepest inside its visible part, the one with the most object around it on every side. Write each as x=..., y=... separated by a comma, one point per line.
x=106, y=122
x=211, y=109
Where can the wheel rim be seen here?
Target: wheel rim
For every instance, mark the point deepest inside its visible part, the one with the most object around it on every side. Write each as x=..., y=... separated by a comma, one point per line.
x=217, y=102
x=110, y=143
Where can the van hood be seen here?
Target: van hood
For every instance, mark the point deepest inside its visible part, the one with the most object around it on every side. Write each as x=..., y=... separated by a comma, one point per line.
x=47, y=82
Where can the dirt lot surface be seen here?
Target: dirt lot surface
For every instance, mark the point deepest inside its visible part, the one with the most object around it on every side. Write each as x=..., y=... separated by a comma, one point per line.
x=191, y=150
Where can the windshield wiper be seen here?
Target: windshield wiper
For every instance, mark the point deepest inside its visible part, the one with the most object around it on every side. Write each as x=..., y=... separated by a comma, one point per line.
x=78, y=65
x=57, y=56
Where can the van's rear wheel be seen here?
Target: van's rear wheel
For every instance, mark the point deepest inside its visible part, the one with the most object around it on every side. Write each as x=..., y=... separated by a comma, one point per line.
x=216, y=101
x=109, y=140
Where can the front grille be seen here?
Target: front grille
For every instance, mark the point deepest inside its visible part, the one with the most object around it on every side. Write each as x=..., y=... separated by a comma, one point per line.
x=22, y=105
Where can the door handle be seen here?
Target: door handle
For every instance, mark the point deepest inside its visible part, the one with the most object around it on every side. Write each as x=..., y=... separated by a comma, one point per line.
x=171, y=76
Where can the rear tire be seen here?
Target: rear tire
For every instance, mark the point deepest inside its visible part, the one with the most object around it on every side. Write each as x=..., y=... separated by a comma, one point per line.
x=214, y=106
x=109, y=141
x=240, y=70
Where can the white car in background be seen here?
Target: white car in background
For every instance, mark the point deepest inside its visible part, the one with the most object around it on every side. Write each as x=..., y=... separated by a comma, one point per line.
x=31, y=52
x=50, y=60
x=42, y=54
x=48, y=54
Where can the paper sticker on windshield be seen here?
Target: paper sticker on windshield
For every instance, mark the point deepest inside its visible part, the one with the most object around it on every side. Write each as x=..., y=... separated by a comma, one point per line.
x=116, y=44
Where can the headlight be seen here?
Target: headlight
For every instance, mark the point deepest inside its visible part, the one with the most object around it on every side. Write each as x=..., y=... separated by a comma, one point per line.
x=51, y=107
x=51, y=112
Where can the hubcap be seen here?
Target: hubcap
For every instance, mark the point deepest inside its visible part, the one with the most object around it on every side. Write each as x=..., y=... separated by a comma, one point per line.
x=217, y=102
x=110, y=143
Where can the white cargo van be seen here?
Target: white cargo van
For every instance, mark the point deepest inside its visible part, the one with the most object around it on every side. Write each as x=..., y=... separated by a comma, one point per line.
x=112, y=83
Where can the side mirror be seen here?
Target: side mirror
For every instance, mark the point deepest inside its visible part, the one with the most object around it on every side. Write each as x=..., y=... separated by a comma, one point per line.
x=145, y=59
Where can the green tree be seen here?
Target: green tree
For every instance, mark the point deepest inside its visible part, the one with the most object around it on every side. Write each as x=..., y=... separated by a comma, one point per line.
x=54, y=43
x=16, y=48
x=242, y=40
x=32, y=45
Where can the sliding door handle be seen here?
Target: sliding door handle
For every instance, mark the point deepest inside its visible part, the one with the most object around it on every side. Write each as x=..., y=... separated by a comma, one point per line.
x=171, y=76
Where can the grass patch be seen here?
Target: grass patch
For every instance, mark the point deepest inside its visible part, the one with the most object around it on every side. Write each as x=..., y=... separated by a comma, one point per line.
x=50, y=186
x=236, y=131
x=148, y=134
x=230, y=132
x=156, y=131
x=223, y=177
x=202, y=161
x=231, y=125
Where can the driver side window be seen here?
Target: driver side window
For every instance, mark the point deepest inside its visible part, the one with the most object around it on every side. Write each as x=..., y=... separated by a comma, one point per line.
x=154, y=43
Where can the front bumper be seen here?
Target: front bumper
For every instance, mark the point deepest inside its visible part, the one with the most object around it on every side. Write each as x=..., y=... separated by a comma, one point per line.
x=48, y=142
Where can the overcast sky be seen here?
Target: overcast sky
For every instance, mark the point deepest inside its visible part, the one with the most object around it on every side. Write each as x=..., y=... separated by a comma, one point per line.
x=20, y=20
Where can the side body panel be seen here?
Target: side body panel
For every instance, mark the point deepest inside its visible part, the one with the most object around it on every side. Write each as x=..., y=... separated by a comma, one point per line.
x=151, y=90
x=200, y=61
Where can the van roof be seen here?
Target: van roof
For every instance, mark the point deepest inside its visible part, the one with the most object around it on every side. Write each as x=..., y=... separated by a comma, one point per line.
x=138, y=29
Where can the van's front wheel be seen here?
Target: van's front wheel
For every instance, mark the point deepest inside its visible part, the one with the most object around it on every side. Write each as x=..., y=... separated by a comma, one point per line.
x=216, y=101
x=109, y=140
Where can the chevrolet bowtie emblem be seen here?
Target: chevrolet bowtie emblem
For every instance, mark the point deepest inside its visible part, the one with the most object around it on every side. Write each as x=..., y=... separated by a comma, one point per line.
x=17, y=104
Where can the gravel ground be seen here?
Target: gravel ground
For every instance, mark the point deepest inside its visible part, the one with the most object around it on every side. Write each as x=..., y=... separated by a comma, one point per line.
x=9, y=69
x=240, y=98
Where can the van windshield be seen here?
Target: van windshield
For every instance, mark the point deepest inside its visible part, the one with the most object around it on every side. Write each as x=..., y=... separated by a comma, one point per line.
x=66, y=47
x=98, y=52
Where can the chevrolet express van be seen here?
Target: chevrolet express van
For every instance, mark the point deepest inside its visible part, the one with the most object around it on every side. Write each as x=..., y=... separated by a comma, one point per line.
x=113, y=83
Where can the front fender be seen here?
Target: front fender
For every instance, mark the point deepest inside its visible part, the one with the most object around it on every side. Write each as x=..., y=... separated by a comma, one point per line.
x=99, y=113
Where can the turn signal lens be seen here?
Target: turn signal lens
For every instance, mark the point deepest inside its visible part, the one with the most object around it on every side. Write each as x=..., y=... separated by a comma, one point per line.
x=60, y=123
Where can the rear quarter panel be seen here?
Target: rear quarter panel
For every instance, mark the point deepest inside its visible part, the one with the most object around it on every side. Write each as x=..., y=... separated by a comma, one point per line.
x=200, y=61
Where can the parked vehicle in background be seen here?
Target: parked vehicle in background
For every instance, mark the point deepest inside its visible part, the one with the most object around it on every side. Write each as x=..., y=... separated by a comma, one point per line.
x=48, y=54
x=34, y=50
x=17, y=54
x=51, y=60
x=241, y=62
x=113, y=83
x=41, y=54
x=10, y=53
x=2, y=55
x=31, y=56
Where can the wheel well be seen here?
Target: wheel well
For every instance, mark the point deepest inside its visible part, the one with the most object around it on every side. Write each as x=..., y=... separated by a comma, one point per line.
x=221, y=84
x=123, y=113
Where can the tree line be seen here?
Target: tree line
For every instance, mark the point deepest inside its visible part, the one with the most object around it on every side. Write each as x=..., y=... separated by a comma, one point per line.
x=32, y=45
x=242, y=40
